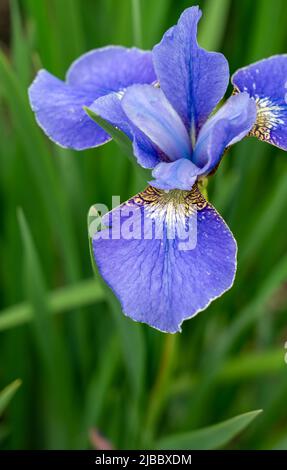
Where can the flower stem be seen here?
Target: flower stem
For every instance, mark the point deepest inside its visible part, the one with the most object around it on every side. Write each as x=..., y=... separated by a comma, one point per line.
x=202, y=186
x=159, y=391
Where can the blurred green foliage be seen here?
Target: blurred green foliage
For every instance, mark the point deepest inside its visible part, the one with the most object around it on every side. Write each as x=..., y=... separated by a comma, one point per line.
x=91, y=367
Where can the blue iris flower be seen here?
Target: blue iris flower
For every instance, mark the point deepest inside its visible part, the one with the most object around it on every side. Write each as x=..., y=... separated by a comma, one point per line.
x=164, y=101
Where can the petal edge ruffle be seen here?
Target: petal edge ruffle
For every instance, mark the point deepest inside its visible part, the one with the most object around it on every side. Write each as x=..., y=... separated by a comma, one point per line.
x=156, y=282
x=58, y=105
x=194, y=80
x=59, y=112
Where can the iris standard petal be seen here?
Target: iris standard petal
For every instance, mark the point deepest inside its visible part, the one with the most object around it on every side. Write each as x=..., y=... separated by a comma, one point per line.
x=193, y=79
x=161, y=277
x=266, y=82
x=109, y=108
x=230, y=124
x=111, y=68
x=180, y=174
x=58, y=105
x=59, y=112
x=150, y=111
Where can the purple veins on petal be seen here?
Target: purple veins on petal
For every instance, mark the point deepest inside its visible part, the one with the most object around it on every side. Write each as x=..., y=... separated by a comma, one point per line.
x=150, y=111
x=193, y=79
x=166, y=253
x=109, y=108
x=228, y=125
x=111, y=68
x=58, y=105
x=59, y=112
x=160, y=276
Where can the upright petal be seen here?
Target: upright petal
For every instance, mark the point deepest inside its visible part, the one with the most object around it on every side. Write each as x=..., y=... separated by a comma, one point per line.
x=230, y=124
x=161, y=274
x=266, y=82
x=193, y=79
x=59, y=105
x=151, y=112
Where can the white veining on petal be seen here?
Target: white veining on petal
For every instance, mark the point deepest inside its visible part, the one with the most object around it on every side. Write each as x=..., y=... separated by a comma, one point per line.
x=269, y=117
x=174, y=209
x=120, y=93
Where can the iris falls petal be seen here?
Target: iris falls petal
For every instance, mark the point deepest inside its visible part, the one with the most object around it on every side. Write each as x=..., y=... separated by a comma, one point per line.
x=58, y=105
x=59, y=112
x=193, y=79
x=166, y=255
x=266, y=82
x=111, y=68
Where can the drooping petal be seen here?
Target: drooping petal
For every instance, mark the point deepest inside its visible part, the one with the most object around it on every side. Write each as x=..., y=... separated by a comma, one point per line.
x=230, y=124
x=109, y=108
x=111, y=68
x=193, y=79
x=151, y=112
x=266, y=82
x=59, y=112
x=59, y=105
x=180, y=174
x=166, y=255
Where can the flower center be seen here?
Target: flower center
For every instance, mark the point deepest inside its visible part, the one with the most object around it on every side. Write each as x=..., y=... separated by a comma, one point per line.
x=157, y=200
x=269, y=117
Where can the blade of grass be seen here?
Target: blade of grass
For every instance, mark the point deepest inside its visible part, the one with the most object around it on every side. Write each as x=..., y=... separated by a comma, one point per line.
x=132, y=344
x=248, y=366
x=157, y=399
x=211, y=437
x=122, y=141
x=154, y=25
x=99, y=384
x=136, y=16
x=46, y=40
x=131, y=334
x=7, y=394
x=20, y=46
x=68, y=298
x=119, y=137
x=245, y=318
x=266, y=40
x=265, y=222
x=51, y=350
x=66, y=20
x=49, y=186
x=213, y=24
x=41, y=166
x=275, y=412
x=36, y=291
x=281, y=444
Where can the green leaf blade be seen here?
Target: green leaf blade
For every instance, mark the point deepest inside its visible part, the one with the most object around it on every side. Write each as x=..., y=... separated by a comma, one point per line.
x=211, y=437
x=119, y=137
x=7, y=394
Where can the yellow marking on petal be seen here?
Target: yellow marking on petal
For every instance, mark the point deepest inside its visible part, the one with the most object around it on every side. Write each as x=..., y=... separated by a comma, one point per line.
x=202, y=184
x=269, y=117
x=162, y=197
x=172, y=206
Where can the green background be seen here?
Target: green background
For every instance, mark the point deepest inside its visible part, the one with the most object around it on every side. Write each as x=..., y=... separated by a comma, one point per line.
x=82, y=364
